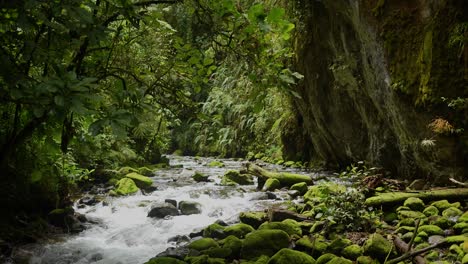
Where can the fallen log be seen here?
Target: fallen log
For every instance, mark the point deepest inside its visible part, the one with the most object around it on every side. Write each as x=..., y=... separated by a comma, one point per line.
x=402, y=247
x=398, y=197
x=285, y=178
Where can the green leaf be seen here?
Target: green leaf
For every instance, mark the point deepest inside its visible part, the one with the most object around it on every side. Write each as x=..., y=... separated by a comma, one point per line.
x=256, y=13
x=276, y=14
x=59, y=100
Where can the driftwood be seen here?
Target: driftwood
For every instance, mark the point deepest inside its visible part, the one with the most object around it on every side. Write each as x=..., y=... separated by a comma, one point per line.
x=285, y=178
x=398, y=197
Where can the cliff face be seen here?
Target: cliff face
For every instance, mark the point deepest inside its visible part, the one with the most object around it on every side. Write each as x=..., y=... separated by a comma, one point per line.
x=375, y=74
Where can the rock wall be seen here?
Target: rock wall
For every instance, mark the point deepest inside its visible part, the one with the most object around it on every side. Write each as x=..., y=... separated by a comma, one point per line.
x=375, y=74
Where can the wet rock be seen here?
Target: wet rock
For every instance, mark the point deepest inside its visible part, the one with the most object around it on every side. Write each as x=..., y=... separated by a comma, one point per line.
x=149, y=190
x=238, y=230
x=88, y=200
x=271, y=196
x=300, y=187
x=165, y=260
x=255, y=219
x=378, y=246
x=140, y=180
x=271, y=185
x=189, y=208
x=414, y=204
x=294, y=193
x=214, y=231
x=199, y=177
x=161, y=210
x=289, y=256
x=196, y=233
x=96, y=257
x=264, y=242
x=216, y=163
x=237, y=177
x=435, y=239
x=81, y=217
x=179, y=239
x=203, y=244
x=221, y=223
x=171, y=201
x=177, y=253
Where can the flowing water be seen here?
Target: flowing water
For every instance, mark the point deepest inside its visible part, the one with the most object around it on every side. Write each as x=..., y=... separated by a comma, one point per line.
x=122, y=232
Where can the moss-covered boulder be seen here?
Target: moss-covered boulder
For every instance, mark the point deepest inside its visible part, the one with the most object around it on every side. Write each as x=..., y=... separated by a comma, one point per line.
x=289, y=256
x=300, y=187
x=214, y=231
x=414, y=204
x=264, y=242
x=366, y=260
x=190, y=207
x=352, y=252
x=377, y=246
x=441, y=221
x=125, y=186
x=140, y=180
x=456, y=239
x=239, y=178
x=323, y=190
x=126, y=170
x=431, y=230
x=232, y=243
x=146, y=171
x=339, y=260
x=465, y=259
x=338, y=244
x=161, y=210
x=205, y=259
x=203, y=244
x=315, y=244
x=217, y=252
x=410, y=214
x=459, y=227
x=200, y=177
x=463, y=217
x=288, y=225
x=271, y=185
x=442, y=204
x=254, y=219
x=431, y=211
x=238, y=230
x=452, y=212
x=165, y=260
x=325, y=258
x=216, y=163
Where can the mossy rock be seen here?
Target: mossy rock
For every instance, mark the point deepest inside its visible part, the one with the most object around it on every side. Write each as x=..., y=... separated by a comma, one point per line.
x=232, y=243
x=140, y=180
x=432, y=255
x=352, y=252
x=301, y=187
x=452, y=212
x=239, y=230
x=146, y=171
x=271, y=185
x=237, y=177
x=410, y=214
x=404, y=229
x=216, y=163
x=431, y=230
x=463, y=217
x=205, y=259
x=407, y=236
x=214, y=231
x=125, y=186
x=264, y=242
x=126, y=170
x=366, y=260
x=165, y=260
x=200, y=177
x=289, y=226
x=441, y=221
x=459, y=227
x=254, y=219
x=203, y=244
x=390, y=217
x=377, y=246
x=442, y=204
x=340, y=260
x=423, y=235
x=407, y=222
x=217, y=252
x=325, y=258
x=289, y=163
x=456, y=239
x=431, y=211
x=338, y=244
x=323, y=191
x=319, y=245
x=289, y=256
x=414, y=204
x=465, y=259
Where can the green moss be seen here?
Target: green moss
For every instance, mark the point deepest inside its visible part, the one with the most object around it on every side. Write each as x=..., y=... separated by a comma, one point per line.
x=255, y=219
x=456, y=239
x=410, y=214
x=271, y=185
x=431, y=211
x=232, y=243
x=237, y=177
x=431, y=230
x=441, y=205
x=264, y=242
x=323, y=190
x=407, y=222
x=213, y=230
x=165, y=260
x=288, y=163
x=340, y=260
x=200, y=177
x=289, y=256
x=216, y=163
x=338, y=244
x=140, y=180
x=442, y=222
x=239, y=230
x=459, y=227
x=414, y=204
x=217, y=252
x=366, y=260
x=378, y=246
x=352, y=252
x=125, y=186
x=325, y=258
x=146, y=171
x=451, y=212
x=404, y=229
x=126, y=170
x=301, y=187
x=463, y=217
x=289, y=226
x=465, y=259
x=203, y=244
x=205, y=259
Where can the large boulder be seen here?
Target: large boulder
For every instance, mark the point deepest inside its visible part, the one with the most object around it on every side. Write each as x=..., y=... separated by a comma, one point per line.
x=161, y=210
x=140, y=180
x=414, y=203
x=125, y=186
x=232, y=243
x=255, y=219
x=237, y=177
x=271, y=185
x=200, y=177
x=289, y=256
x=165, y=260
x=189, y=208
x=323, y=191
x=238, y=230
x=264, y=242
x=300, y=187
x=289, y=226
x=203, y=244
x=377, y=246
